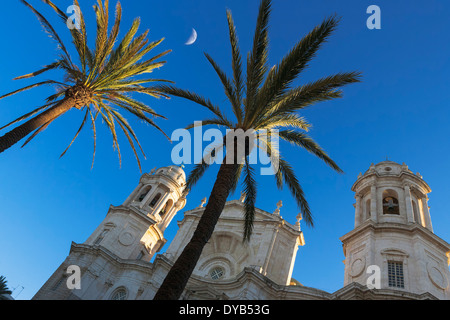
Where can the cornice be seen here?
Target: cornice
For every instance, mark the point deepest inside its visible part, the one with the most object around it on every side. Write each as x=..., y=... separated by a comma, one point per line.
x=402, y=175
x=178, y=188
x=139, y=265
x=412, y=228
x=137, y=213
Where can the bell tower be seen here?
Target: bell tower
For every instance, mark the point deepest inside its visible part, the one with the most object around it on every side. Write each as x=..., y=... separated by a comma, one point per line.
x=117, y=254
x=135, y=229
x=394, y=235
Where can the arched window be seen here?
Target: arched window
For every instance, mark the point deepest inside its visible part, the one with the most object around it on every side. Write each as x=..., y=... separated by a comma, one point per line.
x=119, y=294
x=390, y=205
x=155, y=200
x=416, y=213
x=144, y=193
x=166, y=207
x=368, y=209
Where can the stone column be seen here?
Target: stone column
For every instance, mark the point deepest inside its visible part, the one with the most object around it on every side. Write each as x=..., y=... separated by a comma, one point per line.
x=358, y=211
x=373, y=203
x=168, y=217
x=161, y=203
x=149, y=194
x=426, y=214
x=409, y=208
x=269, y=252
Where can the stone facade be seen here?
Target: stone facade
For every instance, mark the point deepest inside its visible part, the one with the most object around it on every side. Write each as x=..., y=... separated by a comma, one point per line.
x=393, y=233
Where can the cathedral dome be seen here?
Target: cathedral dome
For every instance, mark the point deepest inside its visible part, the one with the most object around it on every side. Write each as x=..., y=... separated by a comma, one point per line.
x=175, y=172
x=389, y=168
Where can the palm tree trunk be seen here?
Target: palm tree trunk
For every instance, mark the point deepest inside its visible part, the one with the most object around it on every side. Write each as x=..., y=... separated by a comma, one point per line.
x=181, y=271
x=20, y=132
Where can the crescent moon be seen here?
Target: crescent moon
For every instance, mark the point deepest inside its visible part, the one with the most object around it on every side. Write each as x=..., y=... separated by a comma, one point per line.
x=192, y=38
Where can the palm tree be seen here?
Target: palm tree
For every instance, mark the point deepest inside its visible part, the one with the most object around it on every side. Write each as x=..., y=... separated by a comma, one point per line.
x=100, y=85
x=268, y=104
x=4, y=288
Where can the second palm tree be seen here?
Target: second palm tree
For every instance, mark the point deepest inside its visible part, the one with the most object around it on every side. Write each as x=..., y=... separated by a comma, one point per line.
x=270, y=102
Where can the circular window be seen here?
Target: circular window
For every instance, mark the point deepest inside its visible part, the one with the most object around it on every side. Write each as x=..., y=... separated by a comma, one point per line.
x=388, y=168
x=120, y=294
x=217, y=273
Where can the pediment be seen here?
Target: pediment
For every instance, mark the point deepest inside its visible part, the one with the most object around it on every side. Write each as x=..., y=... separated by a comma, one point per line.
x=235, y=209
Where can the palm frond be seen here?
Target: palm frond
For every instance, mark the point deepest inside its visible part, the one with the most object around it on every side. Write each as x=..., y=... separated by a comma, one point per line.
x=317, y=91
x=237, y=177
x=48, y=29
x=31, y=86
x=257, y=59
x=108, y=75
x=126, y=65
x=4, y=287
x=94, y=132
x=283, y=121
x=107, y=116
x=125, y=127
x=112, y=36
x=78, y=132
x=306, y=142
x=293, y=184
x=195, y=175
x=60, y=13
x=137, y=112
x=210, y=154
x=80, y=42
x=51, y=66
x=101, y=41
x=117, y=98
x=281, y=76
x=79, y=38
x=266, y=145
x=236, y=64
x=123, y=46
x=170, y=90
x=229, y=89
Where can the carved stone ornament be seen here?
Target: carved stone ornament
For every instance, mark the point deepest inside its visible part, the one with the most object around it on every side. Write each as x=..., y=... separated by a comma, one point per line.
x=126, y=238
x=436, y=276
x=358, y=266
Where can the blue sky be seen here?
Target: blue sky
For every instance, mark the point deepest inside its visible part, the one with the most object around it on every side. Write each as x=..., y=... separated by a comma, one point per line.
x=400, y=111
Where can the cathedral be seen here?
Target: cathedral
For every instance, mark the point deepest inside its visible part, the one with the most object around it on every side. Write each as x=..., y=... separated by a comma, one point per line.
x=391, y=254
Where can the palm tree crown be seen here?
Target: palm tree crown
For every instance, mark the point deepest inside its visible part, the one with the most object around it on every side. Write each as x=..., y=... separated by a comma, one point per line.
x=266, y=100
x=100, y=84
x=4, y=288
